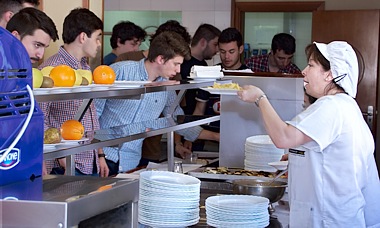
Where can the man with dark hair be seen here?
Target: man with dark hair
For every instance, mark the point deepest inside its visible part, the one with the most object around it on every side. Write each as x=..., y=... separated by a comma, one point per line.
x=35, y=30
x=82, y=34
x=168, y=26
x=166, y=54
x=173, y=26
x=126, y=37
x=230, y=44
x=230, y=48
x=30, y=3
x=279, y=59
x=204, y=46
x=7, y=9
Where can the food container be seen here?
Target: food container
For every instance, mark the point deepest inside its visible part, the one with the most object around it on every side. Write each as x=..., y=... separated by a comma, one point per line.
x=274, y=191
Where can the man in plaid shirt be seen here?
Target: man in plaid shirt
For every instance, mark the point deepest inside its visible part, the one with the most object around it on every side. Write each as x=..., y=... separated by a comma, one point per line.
x=82, y=31
x=279, y=59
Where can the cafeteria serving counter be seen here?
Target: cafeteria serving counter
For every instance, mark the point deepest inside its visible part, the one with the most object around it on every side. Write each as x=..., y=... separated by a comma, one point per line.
x=65, y=201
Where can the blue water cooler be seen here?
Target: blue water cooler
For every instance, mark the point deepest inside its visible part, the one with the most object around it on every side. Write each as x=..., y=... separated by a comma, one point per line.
x=21, y=124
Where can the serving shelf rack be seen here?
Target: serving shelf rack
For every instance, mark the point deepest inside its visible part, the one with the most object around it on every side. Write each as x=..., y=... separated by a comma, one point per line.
x=110, y=139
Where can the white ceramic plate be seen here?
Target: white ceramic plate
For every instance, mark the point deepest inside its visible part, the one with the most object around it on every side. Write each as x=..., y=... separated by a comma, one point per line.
x=99, y=87
x=279, y=165
x=220, y=91
x=38, y=91
x=61, y=90
x=204, y=78
x=81, y=89
x=74, y=141
x=125, y=86
x=131, y=82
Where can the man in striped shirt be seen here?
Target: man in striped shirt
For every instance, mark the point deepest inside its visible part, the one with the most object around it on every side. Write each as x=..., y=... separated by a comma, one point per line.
x=82, y=31
x=166, y=54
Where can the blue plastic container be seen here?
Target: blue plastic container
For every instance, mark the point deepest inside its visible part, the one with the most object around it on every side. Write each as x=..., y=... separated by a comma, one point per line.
x=25, y=160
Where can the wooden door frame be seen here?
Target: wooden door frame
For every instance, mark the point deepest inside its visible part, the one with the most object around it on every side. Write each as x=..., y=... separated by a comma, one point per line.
x=240, y=8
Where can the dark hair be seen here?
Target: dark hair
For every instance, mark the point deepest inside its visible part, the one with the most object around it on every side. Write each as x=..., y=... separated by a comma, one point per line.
x=173, y=26
x=169, y=45
x=28, y=20
x=80, y=20
x=229, y=35
x=126, y=30
x=35, y=3
x=285, y=42
x=10, y=5
x=206, y=31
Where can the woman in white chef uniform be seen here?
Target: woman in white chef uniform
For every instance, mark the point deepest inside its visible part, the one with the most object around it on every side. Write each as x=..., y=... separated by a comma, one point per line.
x=333, y=179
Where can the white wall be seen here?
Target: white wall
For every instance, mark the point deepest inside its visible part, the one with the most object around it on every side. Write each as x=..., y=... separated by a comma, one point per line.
x=58, y=14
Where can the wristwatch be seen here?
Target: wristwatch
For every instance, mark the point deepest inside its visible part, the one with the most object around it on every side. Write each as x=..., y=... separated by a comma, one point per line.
x=102, y=156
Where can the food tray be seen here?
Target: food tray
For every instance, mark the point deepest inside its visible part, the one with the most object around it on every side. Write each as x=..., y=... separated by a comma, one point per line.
x=200, y=173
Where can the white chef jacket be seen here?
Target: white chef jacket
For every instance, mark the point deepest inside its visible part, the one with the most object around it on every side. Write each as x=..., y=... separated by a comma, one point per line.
x=333, y=180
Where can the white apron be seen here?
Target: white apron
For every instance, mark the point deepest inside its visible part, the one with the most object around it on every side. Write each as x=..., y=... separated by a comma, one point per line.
x=332, y=182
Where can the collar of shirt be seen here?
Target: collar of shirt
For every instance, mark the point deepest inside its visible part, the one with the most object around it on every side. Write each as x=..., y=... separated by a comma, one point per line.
x=72, y=61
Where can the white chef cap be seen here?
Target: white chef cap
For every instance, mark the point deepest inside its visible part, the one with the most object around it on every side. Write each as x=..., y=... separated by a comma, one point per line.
x=343, y=63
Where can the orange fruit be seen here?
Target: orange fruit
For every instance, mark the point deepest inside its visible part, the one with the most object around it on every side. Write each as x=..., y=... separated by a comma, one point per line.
x=63, y=76
x=72, y=130
x=104, y=74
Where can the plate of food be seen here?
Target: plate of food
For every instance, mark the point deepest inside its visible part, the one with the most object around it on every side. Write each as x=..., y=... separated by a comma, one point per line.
x=223, y=89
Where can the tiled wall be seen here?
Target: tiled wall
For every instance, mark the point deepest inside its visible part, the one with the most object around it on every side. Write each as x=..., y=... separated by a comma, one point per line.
x=194, y=12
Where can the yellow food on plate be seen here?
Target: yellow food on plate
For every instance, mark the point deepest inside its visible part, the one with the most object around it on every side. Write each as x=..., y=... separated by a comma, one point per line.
x=226, y=86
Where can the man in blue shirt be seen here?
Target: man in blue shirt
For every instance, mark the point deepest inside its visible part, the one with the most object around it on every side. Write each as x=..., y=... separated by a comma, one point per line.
x=166, y=54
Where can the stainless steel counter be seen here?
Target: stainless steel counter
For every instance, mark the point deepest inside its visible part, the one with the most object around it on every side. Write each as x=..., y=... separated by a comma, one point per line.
x=65, y=201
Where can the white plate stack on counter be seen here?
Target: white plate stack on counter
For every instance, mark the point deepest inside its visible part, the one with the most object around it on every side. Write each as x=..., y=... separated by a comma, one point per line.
x=237, y=211
x=206, y=72
x=168, y=199
x=259, y=151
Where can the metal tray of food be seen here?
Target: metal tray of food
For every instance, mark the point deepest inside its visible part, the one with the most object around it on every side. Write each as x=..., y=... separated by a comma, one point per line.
x=224, y=173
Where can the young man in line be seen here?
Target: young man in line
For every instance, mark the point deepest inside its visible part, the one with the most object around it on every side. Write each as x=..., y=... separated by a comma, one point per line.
x=35, y=30
x=204, y=46
x=166, y=54
x=279, y=60
x=151, y=149
x=82, y=31
x=126, y=37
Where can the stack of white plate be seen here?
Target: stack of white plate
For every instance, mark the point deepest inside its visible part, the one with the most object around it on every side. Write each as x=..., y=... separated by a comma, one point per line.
x=168, y=199
x=259, y=151
x=237, y=211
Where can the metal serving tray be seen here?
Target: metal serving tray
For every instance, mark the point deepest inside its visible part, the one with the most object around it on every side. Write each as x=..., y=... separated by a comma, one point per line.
x=200, y=173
